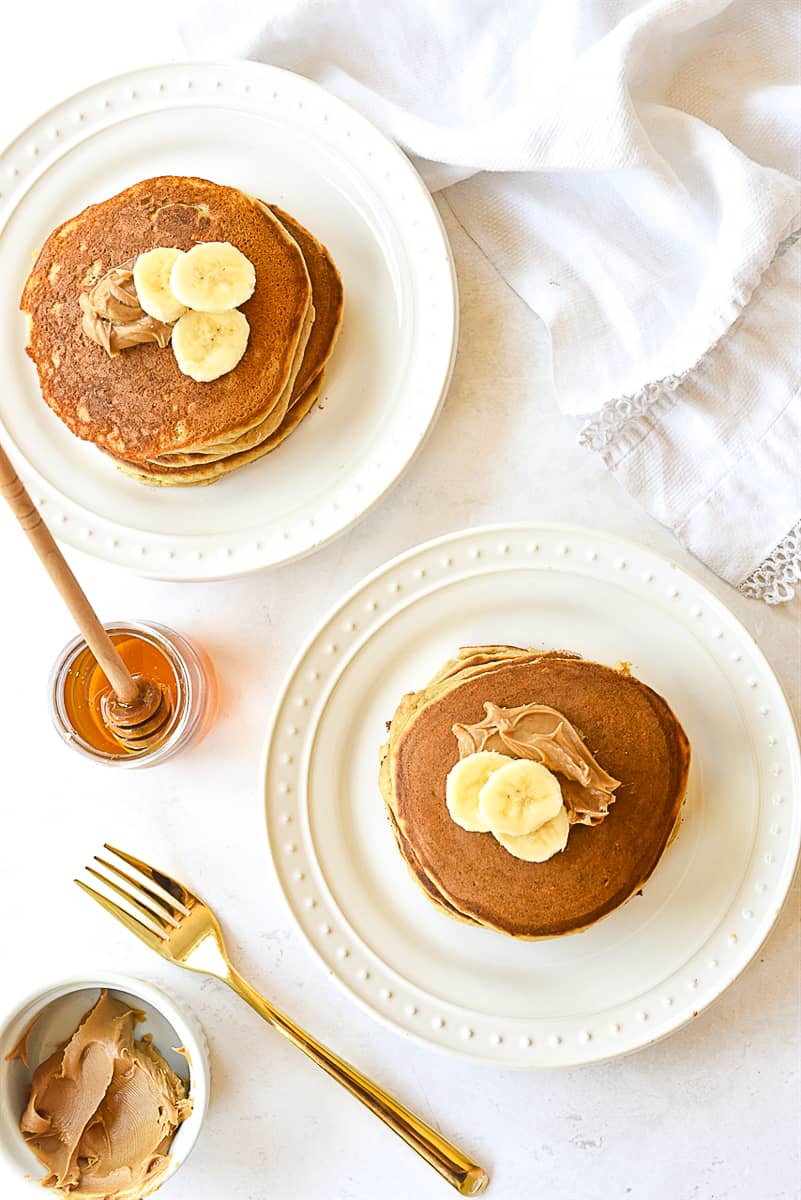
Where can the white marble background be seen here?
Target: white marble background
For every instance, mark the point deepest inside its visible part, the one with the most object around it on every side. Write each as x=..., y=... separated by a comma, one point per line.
x=712, y=1113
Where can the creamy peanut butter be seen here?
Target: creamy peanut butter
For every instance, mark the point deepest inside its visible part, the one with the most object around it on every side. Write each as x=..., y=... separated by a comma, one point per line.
x=546, y=736
x=104, y=1108
x=112, y=316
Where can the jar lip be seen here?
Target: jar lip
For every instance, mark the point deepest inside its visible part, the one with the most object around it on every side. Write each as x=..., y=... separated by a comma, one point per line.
x=176, y=648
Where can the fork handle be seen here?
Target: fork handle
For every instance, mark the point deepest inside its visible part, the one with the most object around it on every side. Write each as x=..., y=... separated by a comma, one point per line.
x=467, y=1177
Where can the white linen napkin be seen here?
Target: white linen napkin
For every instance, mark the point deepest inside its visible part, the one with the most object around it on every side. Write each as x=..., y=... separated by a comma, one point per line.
x=630, y=168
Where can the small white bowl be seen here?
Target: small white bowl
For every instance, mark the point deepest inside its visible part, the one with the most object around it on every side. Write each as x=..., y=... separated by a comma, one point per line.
x=62, y=1006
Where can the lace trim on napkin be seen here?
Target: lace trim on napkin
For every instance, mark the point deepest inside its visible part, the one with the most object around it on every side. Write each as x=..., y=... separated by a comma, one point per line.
x=618, y=415
x=774, y=579
x=619, y=421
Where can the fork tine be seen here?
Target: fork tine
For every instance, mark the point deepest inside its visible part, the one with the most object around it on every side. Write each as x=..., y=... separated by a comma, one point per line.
x=142, y=931
x=163, y=909
x=171, y=886
x=140, y=908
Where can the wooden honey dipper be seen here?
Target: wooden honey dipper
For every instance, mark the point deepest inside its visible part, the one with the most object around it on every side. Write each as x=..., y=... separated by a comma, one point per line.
x=139, y=710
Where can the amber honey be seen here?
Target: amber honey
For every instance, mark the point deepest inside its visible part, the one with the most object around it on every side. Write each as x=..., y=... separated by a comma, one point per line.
x=86, y=688
x=79, y=689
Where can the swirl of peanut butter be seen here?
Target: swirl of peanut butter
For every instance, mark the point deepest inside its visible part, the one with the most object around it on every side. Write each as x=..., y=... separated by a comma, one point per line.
x=540, y=733
x=112, y=316
x=103, y=1108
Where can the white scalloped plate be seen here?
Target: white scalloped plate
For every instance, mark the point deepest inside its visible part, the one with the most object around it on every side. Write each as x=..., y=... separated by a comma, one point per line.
x=281, y=137
x=649, y=967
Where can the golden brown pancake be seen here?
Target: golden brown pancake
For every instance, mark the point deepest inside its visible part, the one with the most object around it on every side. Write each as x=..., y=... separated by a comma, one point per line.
x=628, y=727
x=225, y=448
x=139, y=405
x=327, y=297
x=419, y=876
x=314, y=352
x=207, y=473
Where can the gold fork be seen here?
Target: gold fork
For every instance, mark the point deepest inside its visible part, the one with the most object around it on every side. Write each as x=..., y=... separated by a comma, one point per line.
x=177, y=924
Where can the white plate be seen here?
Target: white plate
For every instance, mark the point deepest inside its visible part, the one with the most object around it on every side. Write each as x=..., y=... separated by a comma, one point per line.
x=280, y=137
x=647, y=968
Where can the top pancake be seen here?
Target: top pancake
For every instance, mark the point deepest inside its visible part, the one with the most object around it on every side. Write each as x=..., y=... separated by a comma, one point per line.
x=139, y=405
x=627, y=726
x=327, y=309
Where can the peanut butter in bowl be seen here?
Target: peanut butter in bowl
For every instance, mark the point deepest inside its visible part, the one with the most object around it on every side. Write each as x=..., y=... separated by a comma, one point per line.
x=106, y=1109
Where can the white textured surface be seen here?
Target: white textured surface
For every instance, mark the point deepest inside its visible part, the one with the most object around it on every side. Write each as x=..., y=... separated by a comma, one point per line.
x=709, y=1114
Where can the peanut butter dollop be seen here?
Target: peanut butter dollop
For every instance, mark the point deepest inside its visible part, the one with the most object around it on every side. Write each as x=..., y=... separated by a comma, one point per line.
x=546, y=736
x=104, y=1108
x=112, y=315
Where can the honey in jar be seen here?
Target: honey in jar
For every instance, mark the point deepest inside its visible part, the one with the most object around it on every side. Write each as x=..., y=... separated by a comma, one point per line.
x=79, y=689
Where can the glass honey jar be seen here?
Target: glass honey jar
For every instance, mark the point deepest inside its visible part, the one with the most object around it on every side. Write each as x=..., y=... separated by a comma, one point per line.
x=78, y=691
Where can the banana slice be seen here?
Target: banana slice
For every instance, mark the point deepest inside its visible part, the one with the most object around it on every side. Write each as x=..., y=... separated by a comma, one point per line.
x=151, y=276
x=519, y=797
x=208, y=345
x=213, y=277
x=540, y=845
x=465, y=780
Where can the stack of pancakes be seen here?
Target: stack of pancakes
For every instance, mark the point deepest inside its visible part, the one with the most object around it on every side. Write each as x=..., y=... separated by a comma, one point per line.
x=630, y=730
x=159, y=425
